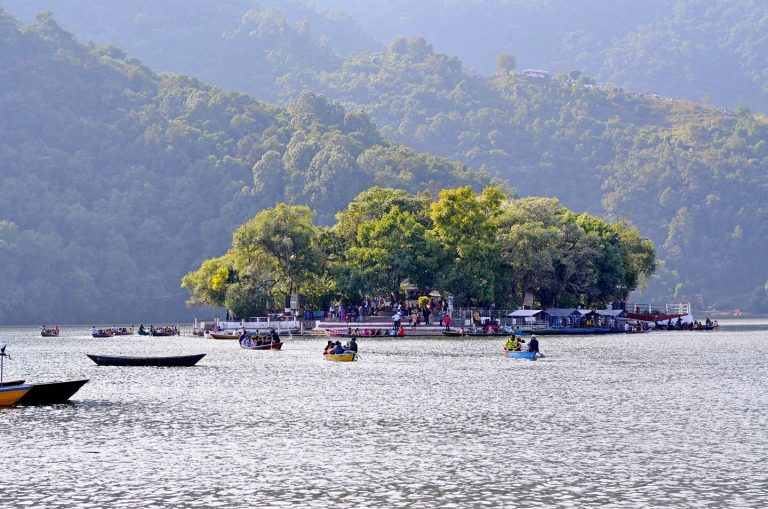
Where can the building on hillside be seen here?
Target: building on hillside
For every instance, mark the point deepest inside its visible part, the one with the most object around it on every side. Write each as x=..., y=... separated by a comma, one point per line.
x=536, y=74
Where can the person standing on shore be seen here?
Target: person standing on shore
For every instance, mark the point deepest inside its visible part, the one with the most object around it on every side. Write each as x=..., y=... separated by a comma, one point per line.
x=396, y=320
x=447, y=321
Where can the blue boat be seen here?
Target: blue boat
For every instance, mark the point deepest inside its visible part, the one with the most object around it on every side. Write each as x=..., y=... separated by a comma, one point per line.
x=519, y=354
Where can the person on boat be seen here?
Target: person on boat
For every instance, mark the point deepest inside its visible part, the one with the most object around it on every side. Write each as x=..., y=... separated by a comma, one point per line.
x=512, y=344
x=533, y=345
x=242, y=337
x=328, y=347
x=708, y=322
x=337, y=348
x=352, y=346
x=141, y=329
x=93, y=330
x=274, y=335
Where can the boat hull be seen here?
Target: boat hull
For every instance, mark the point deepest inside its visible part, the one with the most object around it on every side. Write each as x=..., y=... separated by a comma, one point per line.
x=574, y=331
x=215, y=335
x=10, y=395
x=516, y=354
x=176, y=361
x=269, y=346
x=51, y=392
x=49, y=334
x=12, y=383
x=340, y=357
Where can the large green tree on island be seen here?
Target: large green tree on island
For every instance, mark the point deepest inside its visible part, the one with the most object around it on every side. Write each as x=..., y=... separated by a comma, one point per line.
x=481, y=248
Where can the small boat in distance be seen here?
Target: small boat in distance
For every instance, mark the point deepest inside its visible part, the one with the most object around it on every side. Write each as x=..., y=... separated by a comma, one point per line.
x=49, y=332
x=175, y=361
x=266, y=346
x=11, y=395
x=164, y=331
x=224, y=335
x=341, y=357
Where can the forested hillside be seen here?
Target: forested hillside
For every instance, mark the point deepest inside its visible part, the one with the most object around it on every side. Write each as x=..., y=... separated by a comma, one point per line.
x=689, y=49
x=241, y=45
x=116, y=180
x=690, y=175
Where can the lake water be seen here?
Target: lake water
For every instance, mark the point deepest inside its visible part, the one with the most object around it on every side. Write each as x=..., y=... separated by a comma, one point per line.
x=661, y=419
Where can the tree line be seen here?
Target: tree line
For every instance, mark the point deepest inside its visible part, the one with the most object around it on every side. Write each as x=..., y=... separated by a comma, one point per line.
x=478, y=247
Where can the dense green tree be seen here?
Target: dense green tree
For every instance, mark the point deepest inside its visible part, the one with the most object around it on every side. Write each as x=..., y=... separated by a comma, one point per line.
x=505, y=63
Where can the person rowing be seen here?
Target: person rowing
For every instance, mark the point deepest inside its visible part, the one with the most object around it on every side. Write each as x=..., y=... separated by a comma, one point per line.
x=512, y=344
x=533, y=345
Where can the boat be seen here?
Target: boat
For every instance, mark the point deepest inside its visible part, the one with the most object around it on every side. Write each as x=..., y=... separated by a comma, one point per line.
x=102, y=334
x=488, y=334
x=143, y=332
x=341, y=357
x=175, y=361
x=454, y=334
x=167, y=331
x=223, y=335
x=123, y=332
x=51, y=392
x=566, y=331
x=49, y=333
x=267, y=346
x=667, y=313
x=10, y=395
x=11, y=383
x=520, y=354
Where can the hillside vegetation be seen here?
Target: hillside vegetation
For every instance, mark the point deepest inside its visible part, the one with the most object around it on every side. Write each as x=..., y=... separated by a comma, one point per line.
x=117, y=180
x=702, y=50
x=690, y=176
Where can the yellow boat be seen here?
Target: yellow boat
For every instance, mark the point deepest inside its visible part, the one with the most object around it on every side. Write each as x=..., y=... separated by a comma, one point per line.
x=10, y=395
x=341, y=357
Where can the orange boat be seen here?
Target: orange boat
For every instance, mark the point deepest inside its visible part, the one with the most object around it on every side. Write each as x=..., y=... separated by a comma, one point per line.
x=10, y=395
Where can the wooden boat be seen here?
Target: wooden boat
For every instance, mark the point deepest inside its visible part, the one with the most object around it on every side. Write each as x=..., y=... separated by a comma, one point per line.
x=123, y=332
x=176, y=361
x=223, y=335
x=341, y=357
x=571, y=331
x=519, y=354
x=10, y=395
x=102, y=334
x=51, y=392
x=254, y=346
x=162, y=332
x=12, y=383
x=49, y=333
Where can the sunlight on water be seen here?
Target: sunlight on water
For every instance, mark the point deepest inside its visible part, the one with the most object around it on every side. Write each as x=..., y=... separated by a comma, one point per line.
x=661, y=419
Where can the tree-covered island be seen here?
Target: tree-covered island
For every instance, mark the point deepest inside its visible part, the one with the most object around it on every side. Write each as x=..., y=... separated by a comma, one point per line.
x=480, y=248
